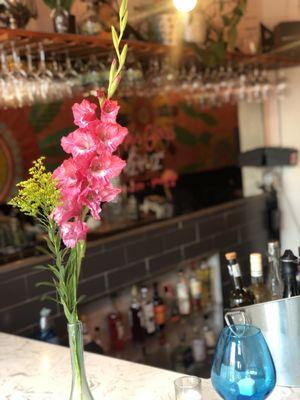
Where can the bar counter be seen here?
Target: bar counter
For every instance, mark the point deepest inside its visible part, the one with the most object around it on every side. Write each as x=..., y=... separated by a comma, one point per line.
x=32, y=370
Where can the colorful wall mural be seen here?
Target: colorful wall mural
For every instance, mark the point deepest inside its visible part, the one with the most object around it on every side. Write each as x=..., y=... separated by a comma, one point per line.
x=166, y=133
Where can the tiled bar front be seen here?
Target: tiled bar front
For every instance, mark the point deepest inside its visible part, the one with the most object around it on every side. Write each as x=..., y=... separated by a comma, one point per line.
x=137, y=255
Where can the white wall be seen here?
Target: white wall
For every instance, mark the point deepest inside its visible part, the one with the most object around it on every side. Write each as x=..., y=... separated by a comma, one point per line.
x=287, y=118
x=251, y=128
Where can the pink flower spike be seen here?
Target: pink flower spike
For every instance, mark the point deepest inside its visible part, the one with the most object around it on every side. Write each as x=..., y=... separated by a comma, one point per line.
x=109, y=111
x=84, y=113
x=79, y=142
x=72, y=232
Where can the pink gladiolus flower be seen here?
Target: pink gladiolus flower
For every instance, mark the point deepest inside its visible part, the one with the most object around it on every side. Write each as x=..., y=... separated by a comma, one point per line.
x=84, y=113
x=109, y=193
x=105, y=166
x=79, y=142
x=67, y=174
x=92, y=199
x=112, y=135
x=109, y=111
x=72, y=232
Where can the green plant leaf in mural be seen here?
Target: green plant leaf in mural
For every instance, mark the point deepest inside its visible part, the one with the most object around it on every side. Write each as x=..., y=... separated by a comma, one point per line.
x=194, y=167
x=185, y=137
x=42, y=114
x=189, y=139
x=205, y=137
x=51, y=144
x=192, y=112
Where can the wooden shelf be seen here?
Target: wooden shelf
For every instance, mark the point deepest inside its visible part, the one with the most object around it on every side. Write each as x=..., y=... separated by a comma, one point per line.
x=79, y=45
x=82, y=46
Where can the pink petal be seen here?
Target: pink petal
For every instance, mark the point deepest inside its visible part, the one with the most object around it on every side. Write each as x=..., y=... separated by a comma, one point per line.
x=81, y=141
x=67, y=174
x=109, y=111
x=72, y=232
x=84, y=113
x=111, y=134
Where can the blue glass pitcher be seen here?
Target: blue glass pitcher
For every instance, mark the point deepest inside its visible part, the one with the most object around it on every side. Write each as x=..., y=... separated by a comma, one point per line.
x=243, y=367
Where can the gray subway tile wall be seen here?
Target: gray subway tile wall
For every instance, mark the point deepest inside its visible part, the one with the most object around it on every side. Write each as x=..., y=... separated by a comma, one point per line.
x=142, y=253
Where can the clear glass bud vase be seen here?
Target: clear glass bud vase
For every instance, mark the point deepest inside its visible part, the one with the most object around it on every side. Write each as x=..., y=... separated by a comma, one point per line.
x=80, y=389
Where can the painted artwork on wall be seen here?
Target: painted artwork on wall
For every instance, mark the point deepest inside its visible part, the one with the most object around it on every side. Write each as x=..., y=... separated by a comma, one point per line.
x=164, y=133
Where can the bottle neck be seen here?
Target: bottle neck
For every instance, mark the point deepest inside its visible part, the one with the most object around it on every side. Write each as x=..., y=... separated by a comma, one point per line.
x=257, y=280
x=274, y=266
x=238, y=282
x=236, y=275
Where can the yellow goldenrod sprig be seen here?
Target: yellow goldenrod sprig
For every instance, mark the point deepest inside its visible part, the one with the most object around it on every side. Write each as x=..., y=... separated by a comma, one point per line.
x=117, y=64
x=38, y=195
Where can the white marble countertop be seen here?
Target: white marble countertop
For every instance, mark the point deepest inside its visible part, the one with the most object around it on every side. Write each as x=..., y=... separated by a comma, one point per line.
x=32, y=370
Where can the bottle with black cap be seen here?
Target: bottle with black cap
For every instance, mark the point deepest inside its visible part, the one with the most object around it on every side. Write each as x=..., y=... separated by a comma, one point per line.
x=239, y=295
x=289, y=270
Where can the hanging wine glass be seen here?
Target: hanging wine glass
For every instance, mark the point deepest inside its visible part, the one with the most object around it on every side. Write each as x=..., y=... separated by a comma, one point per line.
x=243, y=367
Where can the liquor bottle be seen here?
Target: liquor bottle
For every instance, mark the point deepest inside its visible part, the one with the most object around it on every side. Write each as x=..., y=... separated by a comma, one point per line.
x=195, y=288
x=257, y=287
x=198, y=339
x=204, y=276
x=116, y=328
x=135, y=316
x=87, y=337
x=172, y=310
x=183, y=298
x=274, y=282
x=159, y=308
x=182, y=356
x=46, y=332
x=289, y=270
x=148, y=318
x=94, y=345
x=239, y=296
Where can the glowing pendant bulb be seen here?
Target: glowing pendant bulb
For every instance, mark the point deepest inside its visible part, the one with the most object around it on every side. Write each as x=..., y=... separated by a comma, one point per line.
x=185, y=5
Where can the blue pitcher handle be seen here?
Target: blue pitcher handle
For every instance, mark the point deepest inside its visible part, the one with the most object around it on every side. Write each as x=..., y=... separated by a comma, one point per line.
x=237, y=317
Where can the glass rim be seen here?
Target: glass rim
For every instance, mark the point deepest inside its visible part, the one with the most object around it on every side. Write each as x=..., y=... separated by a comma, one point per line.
x=187, y=382
x=229, y=330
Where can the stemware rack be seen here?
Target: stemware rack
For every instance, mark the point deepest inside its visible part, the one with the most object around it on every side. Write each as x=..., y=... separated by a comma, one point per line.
x=82, y=46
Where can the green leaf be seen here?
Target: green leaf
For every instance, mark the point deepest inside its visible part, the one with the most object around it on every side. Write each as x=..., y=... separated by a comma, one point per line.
x=205, y=138
x=115, y=39
x=48, y=284
x=124, y=23
x=226, y=20
x=185, y=137
x=42, y=114
x=123, y=8
x=193, y=167
x=123, y=55
x=232, y=36
x=54, y=139
x=113, y=70
x=209, y=119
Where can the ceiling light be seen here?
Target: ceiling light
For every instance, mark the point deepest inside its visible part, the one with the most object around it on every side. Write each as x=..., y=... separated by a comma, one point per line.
x=185, y=5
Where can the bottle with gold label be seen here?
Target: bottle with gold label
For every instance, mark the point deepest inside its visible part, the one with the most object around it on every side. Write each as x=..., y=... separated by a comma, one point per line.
x=257, y=287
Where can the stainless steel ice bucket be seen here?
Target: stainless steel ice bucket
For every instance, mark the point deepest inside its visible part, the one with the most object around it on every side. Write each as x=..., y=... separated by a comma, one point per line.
x=279, y=321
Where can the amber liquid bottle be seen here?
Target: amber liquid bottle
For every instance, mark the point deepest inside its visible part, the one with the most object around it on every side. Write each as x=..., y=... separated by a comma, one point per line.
x=159, y=308
x=257, y=287
x=239, y=295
